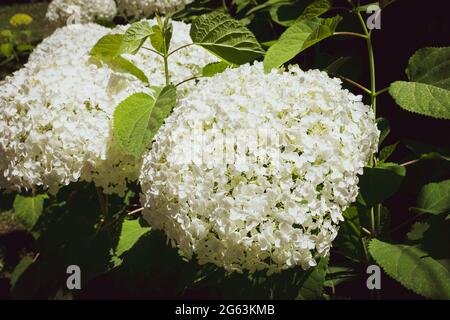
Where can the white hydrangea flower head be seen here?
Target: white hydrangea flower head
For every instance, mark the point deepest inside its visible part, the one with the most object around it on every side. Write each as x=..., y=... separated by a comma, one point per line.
x=252, y=171
x=56, y=112
x=147, y=8
x=63, y=12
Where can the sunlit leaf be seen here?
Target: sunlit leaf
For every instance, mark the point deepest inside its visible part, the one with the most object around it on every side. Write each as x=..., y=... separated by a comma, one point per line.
x=428, y=90
x=301, y=35
x=413, y=268
x=226, y=38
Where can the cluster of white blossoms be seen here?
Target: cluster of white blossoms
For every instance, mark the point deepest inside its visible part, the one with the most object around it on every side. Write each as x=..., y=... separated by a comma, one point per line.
x=147, y=8
x=252, y=171
x=56, y=112
x=62, y=12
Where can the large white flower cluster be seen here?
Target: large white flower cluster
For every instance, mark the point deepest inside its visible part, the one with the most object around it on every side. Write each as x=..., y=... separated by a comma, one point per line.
x=56, y=112
x=62, y=12
x=252, y=171
x=146, y=8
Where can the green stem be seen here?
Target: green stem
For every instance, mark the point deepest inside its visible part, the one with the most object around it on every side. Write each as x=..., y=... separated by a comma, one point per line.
x=6, y=61
x=16, y=56
x=372, y=75
x=345, y=256
x=373, y=97
x=368, y=36
x=381, y=91
x=224, y=5
x=410, y=162
x=353, y=226
x=378, y=218
x=356, y=84
x=177, y=49
x=166, y=70
x=366, y=231
x=154, y=51
x=366, y=31
x=341, y=8
x=366, y=254
x=372, y=221
x=135, y=211
x=353, y=34
x=188, y=79
x=333, y=291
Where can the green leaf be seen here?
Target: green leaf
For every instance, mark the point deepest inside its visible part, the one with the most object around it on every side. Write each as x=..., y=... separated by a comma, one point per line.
x=268, y=44
x=121, y=64
x=333, y=67
x=417, y=231
x=28, y=209
x=434, y=198
x=436, y=239
x=7, y=34
x=240, y=4
x=214, y=68
x=387, y=151
x=161, y=38
x=363, y=8
x=23, y=47
x=70, y=233
x=20, y=19
x=108, y=46
x=6, y=49
x=337, y=275
x=351, y=241
x=379, y=183
x=131, y=119
x=226, y=38
x=130, y=234
x=348, y=241
x=433, y=236
x=413, y=268
x=431, y=66
x=19, y=269
x=422, y=172
x=135, y=36
x=150, y=268
x=312, y=286
x=316, y=9
x=422, y=98
x=286, y=13
x=192, y=10
x=384, y=127
x=385, y=3
x=428, y=90
x=162, y=35
x=157, y=39
x=165, y=102
x=301, y=35
x=424, y=151
x=138, y=118
x=265, y=5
